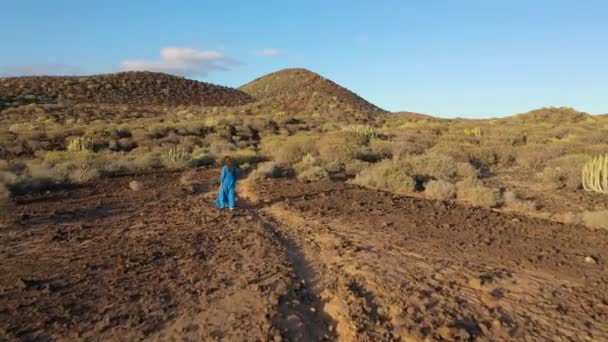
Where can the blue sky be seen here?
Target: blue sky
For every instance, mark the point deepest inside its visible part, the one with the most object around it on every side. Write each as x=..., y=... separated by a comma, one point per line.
x=470, y=58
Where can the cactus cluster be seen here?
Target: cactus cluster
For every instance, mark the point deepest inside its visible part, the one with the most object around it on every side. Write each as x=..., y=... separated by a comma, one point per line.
x=80, y=144
x=178, y=155
x=472, y=132
x=369, y=132
x=595, y=174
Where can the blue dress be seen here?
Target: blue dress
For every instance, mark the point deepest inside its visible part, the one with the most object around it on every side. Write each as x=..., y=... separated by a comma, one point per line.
x=226, y=193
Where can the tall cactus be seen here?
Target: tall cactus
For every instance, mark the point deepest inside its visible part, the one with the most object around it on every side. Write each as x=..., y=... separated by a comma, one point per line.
x=595, y=174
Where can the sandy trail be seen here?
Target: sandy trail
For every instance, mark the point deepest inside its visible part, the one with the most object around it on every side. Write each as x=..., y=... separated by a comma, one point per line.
x=298, y=262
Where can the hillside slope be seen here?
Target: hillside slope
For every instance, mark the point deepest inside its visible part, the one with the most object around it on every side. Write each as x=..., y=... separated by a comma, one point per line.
x=301, y=90
x=133, y=88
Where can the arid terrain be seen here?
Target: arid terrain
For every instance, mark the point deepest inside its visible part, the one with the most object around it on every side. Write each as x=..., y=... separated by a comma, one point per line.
x=353, y=223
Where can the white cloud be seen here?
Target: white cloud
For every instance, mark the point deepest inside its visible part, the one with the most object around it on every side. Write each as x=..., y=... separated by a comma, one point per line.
x=182, y=61
x=269, y=52
x=38, y=69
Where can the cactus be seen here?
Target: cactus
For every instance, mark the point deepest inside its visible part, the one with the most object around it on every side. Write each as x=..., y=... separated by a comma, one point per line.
x=178, y=156
x=369, y=132
x=472, y=132
x=80, y=144
x=595, y=174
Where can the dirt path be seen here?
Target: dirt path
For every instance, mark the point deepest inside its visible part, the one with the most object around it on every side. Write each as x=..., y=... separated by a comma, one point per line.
x=395, y=268
x=299, y=262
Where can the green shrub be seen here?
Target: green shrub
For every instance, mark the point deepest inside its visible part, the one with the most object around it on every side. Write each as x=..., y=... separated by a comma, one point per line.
x=386, y=175
x=440, y=189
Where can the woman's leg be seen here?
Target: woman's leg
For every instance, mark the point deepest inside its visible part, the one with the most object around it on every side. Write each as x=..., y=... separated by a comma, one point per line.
x=231, y=198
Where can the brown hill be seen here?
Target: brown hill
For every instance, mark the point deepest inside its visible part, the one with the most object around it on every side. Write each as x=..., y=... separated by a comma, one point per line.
x=550, y=115
x=133, y=88
x=301, y=90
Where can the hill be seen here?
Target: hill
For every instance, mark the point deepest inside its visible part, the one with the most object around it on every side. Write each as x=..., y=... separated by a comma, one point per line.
x=556, y=115
x=132, y=88
x=301, y=90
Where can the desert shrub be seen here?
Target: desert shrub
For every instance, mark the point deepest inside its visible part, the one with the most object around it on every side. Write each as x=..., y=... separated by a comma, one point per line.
x=339, y=148
x=440, y=189
x=354, y=167
x=200, y=157
x=386, y=175
x=431, y=166
x=80, y=144
x=535, y=157
x=382, y=148
x=177, y=157
x=511, y=200
x=474, y=192
x=246, y=156
x=313, y=174
x=565, y=171
x=466, y=171
x=266, y=170
x=596, y=219
x=288, y=150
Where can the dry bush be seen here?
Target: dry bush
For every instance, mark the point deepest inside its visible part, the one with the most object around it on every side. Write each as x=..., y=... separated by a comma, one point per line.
x=536, y=157
x=266, y=170
x=313, y=174
x=511, y=200
x=440, y=189
x=430, y=166
x=386, y=175
x=565, y=171
x=596, y=219
x=340, y=147
x=474, y=192
x=288, y=150
x=466, y=171
x=354, y=167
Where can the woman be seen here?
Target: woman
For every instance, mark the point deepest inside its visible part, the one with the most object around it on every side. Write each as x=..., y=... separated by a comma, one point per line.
x=226, y=194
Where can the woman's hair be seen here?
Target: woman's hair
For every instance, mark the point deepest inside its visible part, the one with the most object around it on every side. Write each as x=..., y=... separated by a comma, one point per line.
x=228, y=162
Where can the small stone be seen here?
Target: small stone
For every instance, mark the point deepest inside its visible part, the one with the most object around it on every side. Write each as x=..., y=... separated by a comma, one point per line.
x=590, y=260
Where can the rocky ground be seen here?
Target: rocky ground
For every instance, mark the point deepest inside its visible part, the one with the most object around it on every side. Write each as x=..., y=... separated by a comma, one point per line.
x=318, y=261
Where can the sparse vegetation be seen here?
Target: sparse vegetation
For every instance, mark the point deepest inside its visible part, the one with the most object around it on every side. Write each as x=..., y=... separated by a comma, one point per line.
x=440, y=189
x=475, y=193
x=318, y=132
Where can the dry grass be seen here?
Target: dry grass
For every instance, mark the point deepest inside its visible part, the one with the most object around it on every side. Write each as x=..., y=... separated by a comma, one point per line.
x=512, y=200
x=266, y=170
x=477, y=194
x=440, y=189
